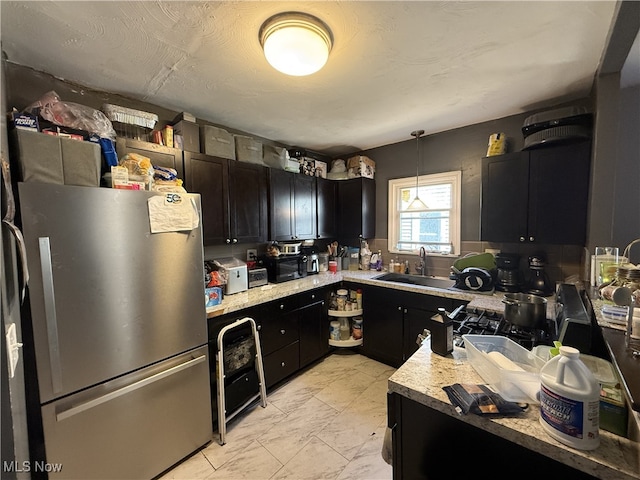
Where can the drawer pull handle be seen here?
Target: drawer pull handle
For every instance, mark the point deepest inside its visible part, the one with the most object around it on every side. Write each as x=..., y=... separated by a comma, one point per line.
x=281, y=306
x=282, y=364
x=129, y=388
x=283, y=331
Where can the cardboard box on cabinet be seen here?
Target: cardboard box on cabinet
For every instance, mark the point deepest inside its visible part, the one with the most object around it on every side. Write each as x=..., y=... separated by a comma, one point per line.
x=313, y=168
x=361, y=166
x=190, y=133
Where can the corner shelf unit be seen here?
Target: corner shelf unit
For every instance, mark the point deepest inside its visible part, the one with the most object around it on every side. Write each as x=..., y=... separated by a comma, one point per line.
x=345, y=343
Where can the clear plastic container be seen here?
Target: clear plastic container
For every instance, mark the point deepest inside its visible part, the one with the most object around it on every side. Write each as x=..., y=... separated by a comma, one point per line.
x=323, y=262
x=515, y=385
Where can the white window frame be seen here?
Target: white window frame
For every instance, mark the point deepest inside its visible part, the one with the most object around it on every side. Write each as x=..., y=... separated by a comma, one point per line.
x=396, y=185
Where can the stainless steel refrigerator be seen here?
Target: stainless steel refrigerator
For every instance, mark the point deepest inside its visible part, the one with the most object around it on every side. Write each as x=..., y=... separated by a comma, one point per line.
x=119, y=332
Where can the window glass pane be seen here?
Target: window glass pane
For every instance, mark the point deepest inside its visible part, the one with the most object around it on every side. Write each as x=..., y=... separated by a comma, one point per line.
x=434, y=196
x=425, y=229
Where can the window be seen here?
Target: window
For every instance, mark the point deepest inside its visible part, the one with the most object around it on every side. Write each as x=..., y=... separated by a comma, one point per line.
x=436, y=228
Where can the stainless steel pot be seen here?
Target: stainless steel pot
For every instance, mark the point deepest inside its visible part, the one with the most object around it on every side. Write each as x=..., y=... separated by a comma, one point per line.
x=524, y=310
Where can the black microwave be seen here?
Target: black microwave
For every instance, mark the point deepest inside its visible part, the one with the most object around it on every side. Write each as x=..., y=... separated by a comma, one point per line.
x=285, y=267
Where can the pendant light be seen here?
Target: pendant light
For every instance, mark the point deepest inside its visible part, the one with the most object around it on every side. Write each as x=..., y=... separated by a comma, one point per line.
x=416, y=203
x=296, y=43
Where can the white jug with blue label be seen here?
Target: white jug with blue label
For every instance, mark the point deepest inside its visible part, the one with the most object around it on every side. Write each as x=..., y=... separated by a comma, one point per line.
x=570, y=400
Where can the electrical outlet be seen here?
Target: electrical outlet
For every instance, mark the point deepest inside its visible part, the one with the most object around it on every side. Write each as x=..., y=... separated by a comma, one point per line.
x=252, y=254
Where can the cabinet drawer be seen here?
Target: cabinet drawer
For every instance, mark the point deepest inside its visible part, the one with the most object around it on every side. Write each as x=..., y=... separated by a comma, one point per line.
x=281, y=364
x=283, y=305
x=277, y=332
x=312, y=296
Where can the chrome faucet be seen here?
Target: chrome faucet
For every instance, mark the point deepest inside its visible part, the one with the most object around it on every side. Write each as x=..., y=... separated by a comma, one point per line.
x=421, y=267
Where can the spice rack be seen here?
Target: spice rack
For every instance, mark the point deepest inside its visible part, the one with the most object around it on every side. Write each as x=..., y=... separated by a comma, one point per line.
x=351, y=342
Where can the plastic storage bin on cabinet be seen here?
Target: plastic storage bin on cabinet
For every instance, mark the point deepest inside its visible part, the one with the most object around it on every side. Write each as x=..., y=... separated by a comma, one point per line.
x=217, y=142
x=53, y=159
x=248, y=150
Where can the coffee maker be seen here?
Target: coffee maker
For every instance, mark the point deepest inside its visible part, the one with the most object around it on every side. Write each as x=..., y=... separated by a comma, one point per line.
x=313, y=262
x=508, y=277
x=538, y=282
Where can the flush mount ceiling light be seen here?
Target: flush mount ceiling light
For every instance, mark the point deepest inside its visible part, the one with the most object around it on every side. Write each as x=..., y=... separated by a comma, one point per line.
x=296, y=43
x=416, y=203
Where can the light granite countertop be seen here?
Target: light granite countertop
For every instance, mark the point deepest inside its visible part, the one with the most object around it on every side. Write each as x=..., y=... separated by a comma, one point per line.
x=423, y=375
x=274, y=291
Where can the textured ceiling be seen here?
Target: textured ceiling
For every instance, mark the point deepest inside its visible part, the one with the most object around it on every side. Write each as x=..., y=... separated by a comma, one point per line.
x=395, y=66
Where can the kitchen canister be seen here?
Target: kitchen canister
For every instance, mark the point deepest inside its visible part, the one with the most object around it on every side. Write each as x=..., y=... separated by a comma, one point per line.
x=334, y=330
x=570, y=400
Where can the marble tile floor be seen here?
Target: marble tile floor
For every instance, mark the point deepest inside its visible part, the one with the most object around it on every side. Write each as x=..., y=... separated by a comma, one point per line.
x=326, y=423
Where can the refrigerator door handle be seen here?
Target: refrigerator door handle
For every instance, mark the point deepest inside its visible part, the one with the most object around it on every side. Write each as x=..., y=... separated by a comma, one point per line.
x=50, y=313
x=129, y=388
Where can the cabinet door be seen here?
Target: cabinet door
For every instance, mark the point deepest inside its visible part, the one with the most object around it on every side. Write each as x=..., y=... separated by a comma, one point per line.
x=207, y=176
x=304, y=203
x=280, y=205
x=160, y=155
x=505, y=186
x=357, y=210
x=327, y=208
x=314, y=326
x=558, y=194
x=314, y=333
x=382, y=326
x=247, y=202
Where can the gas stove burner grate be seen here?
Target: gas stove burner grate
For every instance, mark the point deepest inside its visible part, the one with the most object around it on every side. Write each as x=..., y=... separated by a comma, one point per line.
x=483, y=322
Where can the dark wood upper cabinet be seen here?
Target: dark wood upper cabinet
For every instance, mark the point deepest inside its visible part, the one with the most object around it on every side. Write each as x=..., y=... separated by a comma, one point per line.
x=292, y=200
x=537, y=196
x=233, y=196
x=327, y=208
x=248, y=208
x=357, y=210
x=280, y=205
x=304, y=202
x=208, y=176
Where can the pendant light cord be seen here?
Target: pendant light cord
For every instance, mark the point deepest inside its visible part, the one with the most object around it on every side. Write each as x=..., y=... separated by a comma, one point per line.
x=417, y=134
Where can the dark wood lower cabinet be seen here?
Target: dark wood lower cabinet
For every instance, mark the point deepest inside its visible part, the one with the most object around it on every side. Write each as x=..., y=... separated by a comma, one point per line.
x=393, y=319
x=429, y=444
x=382, y=327
x=314, y=333
x=293, y=332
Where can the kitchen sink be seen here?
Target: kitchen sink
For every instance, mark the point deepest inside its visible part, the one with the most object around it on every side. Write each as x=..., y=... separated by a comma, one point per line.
x=416, y=280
